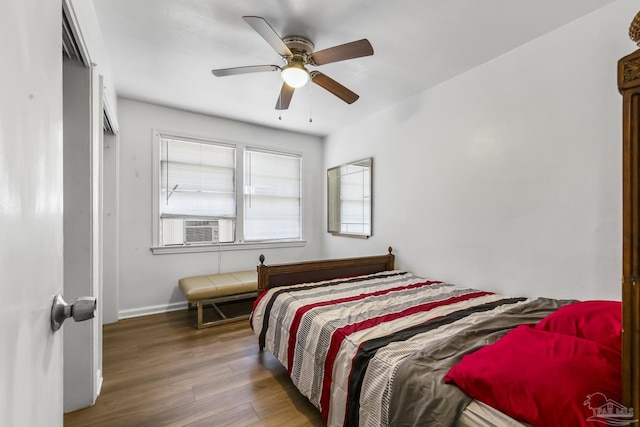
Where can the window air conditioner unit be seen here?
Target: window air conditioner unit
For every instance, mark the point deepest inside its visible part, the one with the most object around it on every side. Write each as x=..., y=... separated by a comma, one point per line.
x=200, y=232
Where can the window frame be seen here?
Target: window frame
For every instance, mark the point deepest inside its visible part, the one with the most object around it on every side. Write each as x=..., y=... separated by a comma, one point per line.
x=239, y=244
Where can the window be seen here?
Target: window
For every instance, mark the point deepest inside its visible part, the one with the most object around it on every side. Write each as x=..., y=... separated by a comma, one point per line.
x=197, y=192
x=208, y=193
x=272, y=196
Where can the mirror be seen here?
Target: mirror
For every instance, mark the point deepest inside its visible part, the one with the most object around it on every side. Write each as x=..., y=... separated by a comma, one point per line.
x=349, y=199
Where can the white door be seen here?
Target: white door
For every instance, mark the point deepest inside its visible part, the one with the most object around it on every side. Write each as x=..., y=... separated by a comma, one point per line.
x=31, y=208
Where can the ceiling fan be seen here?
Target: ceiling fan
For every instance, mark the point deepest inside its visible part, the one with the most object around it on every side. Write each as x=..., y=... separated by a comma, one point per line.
x=297, y=52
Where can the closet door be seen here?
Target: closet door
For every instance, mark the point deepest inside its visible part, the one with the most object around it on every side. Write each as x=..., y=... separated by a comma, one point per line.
x=82, y=230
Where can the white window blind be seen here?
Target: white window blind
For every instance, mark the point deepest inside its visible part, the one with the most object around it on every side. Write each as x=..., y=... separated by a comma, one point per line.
x=197, y=180
x=272, y=201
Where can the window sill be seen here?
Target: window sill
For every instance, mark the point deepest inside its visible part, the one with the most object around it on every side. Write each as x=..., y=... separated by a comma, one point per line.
x=223, y=247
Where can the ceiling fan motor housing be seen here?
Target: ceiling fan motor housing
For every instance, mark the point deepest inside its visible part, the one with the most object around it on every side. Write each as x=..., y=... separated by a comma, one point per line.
x=300, y=47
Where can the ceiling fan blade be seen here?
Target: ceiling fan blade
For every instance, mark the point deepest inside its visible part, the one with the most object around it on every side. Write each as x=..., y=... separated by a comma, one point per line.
x=263, y=28
x=285, y=97
x=351, y=50
x=334, y=87
x=222, y=72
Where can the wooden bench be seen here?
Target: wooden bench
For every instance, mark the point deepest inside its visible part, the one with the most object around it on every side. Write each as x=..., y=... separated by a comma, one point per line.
x=219, y=288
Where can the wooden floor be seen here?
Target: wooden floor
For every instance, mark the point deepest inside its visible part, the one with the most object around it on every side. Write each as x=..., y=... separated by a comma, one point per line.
x=160, y=371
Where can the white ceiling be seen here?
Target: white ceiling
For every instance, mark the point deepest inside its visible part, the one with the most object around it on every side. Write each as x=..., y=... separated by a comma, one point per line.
x=163, y=51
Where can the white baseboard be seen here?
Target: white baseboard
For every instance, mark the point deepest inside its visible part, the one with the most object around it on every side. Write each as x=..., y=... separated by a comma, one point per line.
x=154, y=309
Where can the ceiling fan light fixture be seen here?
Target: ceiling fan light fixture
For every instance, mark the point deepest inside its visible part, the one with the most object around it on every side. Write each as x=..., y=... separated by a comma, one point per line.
x=295, y=75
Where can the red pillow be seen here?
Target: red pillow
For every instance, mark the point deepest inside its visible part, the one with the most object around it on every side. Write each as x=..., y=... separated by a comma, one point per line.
x=599, y=321
x=539, y=377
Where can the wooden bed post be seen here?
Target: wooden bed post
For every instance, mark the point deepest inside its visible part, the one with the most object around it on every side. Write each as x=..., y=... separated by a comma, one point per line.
x=262, y=274
x=629, y=86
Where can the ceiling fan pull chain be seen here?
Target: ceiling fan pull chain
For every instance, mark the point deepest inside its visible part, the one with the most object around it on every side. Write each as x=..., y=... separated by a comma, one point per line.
x=310, y=99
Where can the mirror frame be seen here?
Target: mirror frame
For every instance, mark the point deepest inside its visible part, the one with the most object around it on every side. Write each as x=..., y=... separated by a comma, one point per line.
x=334, y=204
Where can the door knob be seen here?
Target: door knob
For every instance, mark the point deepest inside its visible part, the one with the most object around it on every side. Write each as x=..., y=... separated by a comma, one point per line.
x=83, y=309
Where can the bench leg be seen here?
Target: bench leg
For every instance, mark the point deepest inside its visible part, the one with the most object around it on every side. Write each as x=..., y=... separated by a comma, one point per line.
x=199, y=305
x=201, y=324
x=220, y=313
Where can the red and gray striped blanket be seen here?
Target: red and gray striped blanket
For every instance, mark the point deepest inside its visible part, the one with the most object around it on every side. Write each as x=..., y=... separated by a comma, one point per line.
x=330, y=334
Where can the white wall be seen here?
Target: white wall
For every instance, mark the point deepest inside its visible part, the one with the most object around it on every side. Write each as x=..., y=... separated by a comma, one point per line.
x=507, y=177
x=149, y=283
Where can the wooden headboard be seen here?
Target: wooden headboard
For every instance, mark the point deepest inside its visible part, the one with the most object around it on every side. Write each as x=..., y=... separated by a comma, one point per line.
x=271, y=276
x=629, y=86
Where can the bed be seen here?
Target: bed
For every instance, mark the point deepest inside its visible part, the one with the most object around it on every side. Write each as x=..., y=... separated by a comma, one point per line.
x=373, y=346
x=604, y=406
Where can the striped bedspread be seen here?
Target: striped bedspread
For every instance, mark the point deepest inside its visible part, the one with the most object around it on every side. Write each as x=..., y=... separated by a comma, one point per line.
x=328, y=333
